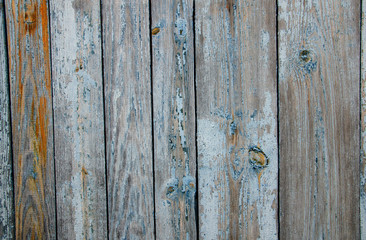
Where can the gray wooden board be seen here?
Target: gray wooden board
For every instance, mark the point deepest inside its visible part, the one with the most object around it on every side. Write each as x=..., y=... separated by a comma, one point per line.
x=174, y=118
x=319, y=65
x=78, y=119
x=31, y=110
x=237, y=118
x=6, y=177
x=126, y=44
x=363, y=127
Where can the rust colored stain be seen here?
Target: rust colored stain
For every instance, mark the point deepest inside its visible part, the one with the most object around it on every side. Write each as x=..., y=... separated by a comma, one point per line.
x=85, y=204
x=83, y=171
x=229, y=6
x=45, y=41
x=30, y=18
x=259, y=178
x=230, y=9
x=84, y=180
x=79, y=65
x=42, y=123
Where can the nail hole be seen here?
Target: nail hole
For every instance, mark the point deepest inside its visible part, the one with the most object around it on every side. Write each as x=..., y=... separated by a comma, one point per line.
x=171, y=191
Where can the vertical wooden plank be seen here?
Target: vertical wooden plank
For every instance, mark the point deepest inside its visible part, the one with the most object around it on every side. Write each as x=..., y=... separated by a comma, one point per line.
x=31, y=109
x=363, y=126
x=237, y=118
x=126, y=44
x=6, y=174
x=174, y=118
x=79, y=119
x=319, y=65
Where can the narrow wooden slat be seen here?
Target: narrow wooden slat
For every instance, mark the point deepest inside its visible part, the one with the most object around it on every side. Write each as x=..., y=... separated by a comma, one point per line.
x=319, y=60
x=6, y=174
x=126, y=45
x=174, y=118
x=363, y=126
x=31, y=109
x=237, y=118
x=79, y=121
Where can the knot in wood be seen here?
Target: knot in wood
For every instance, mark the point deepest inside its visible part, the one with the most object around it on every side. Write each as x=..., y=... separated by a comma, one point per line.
x=257, y=158
x=305, y=55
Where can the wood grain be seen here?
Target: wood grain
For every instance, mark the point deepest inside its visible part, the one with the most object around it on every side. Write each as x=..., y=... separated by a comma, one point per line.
x=319, y=65
x=31, y=109
x=126, y=45
x=79, y=119
x=6, y=173
x=237, y=118
x=174, y=118
x=363, y=126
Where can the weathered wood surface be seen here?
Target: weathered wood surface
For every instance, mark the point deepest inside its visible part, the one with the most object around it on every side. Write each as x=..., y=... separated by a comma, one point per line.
x=6, y=174
x=237, y=119
x=319, y=65
x=174, y=118
x=126, y=44
x=78, y=119
x=31, y=110
x=363, y=126
x=110, y=134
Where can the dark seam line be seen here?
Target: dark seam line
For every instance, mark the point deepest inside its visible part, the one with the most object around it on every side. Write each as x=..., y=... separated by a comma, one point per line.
x=195, y=118
x=278, y=126
x=10, y=117
x=152, y=115
x=53, y=114
x=360, y=122
x=104, y=115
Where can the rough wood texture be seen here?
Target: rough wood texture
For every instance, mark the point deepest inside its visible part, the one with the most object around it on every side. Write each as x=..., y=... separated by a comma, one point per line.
x=174, y=118
x=236, y=117
x=319, y=60
x=363, y=126
x=6, y=174
x=79, y=119
x=126, y=44
x=31, y=99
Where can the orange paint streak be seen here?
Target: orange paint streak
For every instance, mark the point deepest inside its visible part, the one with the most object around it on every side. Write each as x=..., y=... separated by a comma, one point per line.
x=30, y=18
x=45, y=41
x=21, y=90
x=42, y=124
x=259, y=178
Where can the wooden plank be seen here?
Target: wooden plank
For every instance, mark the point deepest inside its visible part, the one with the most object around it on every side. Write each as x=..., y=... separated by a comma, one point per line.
x=79, y=119
x=319, y=65
x=363, y=126
x=6, y=172
x=174, y=118
x=237, y=118
x=31, y=109
x=126, y=44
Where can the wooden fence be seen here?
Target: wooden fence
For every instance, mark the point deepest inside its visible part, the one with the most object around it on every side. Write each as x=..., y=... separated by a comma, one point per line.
x=182, y=119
